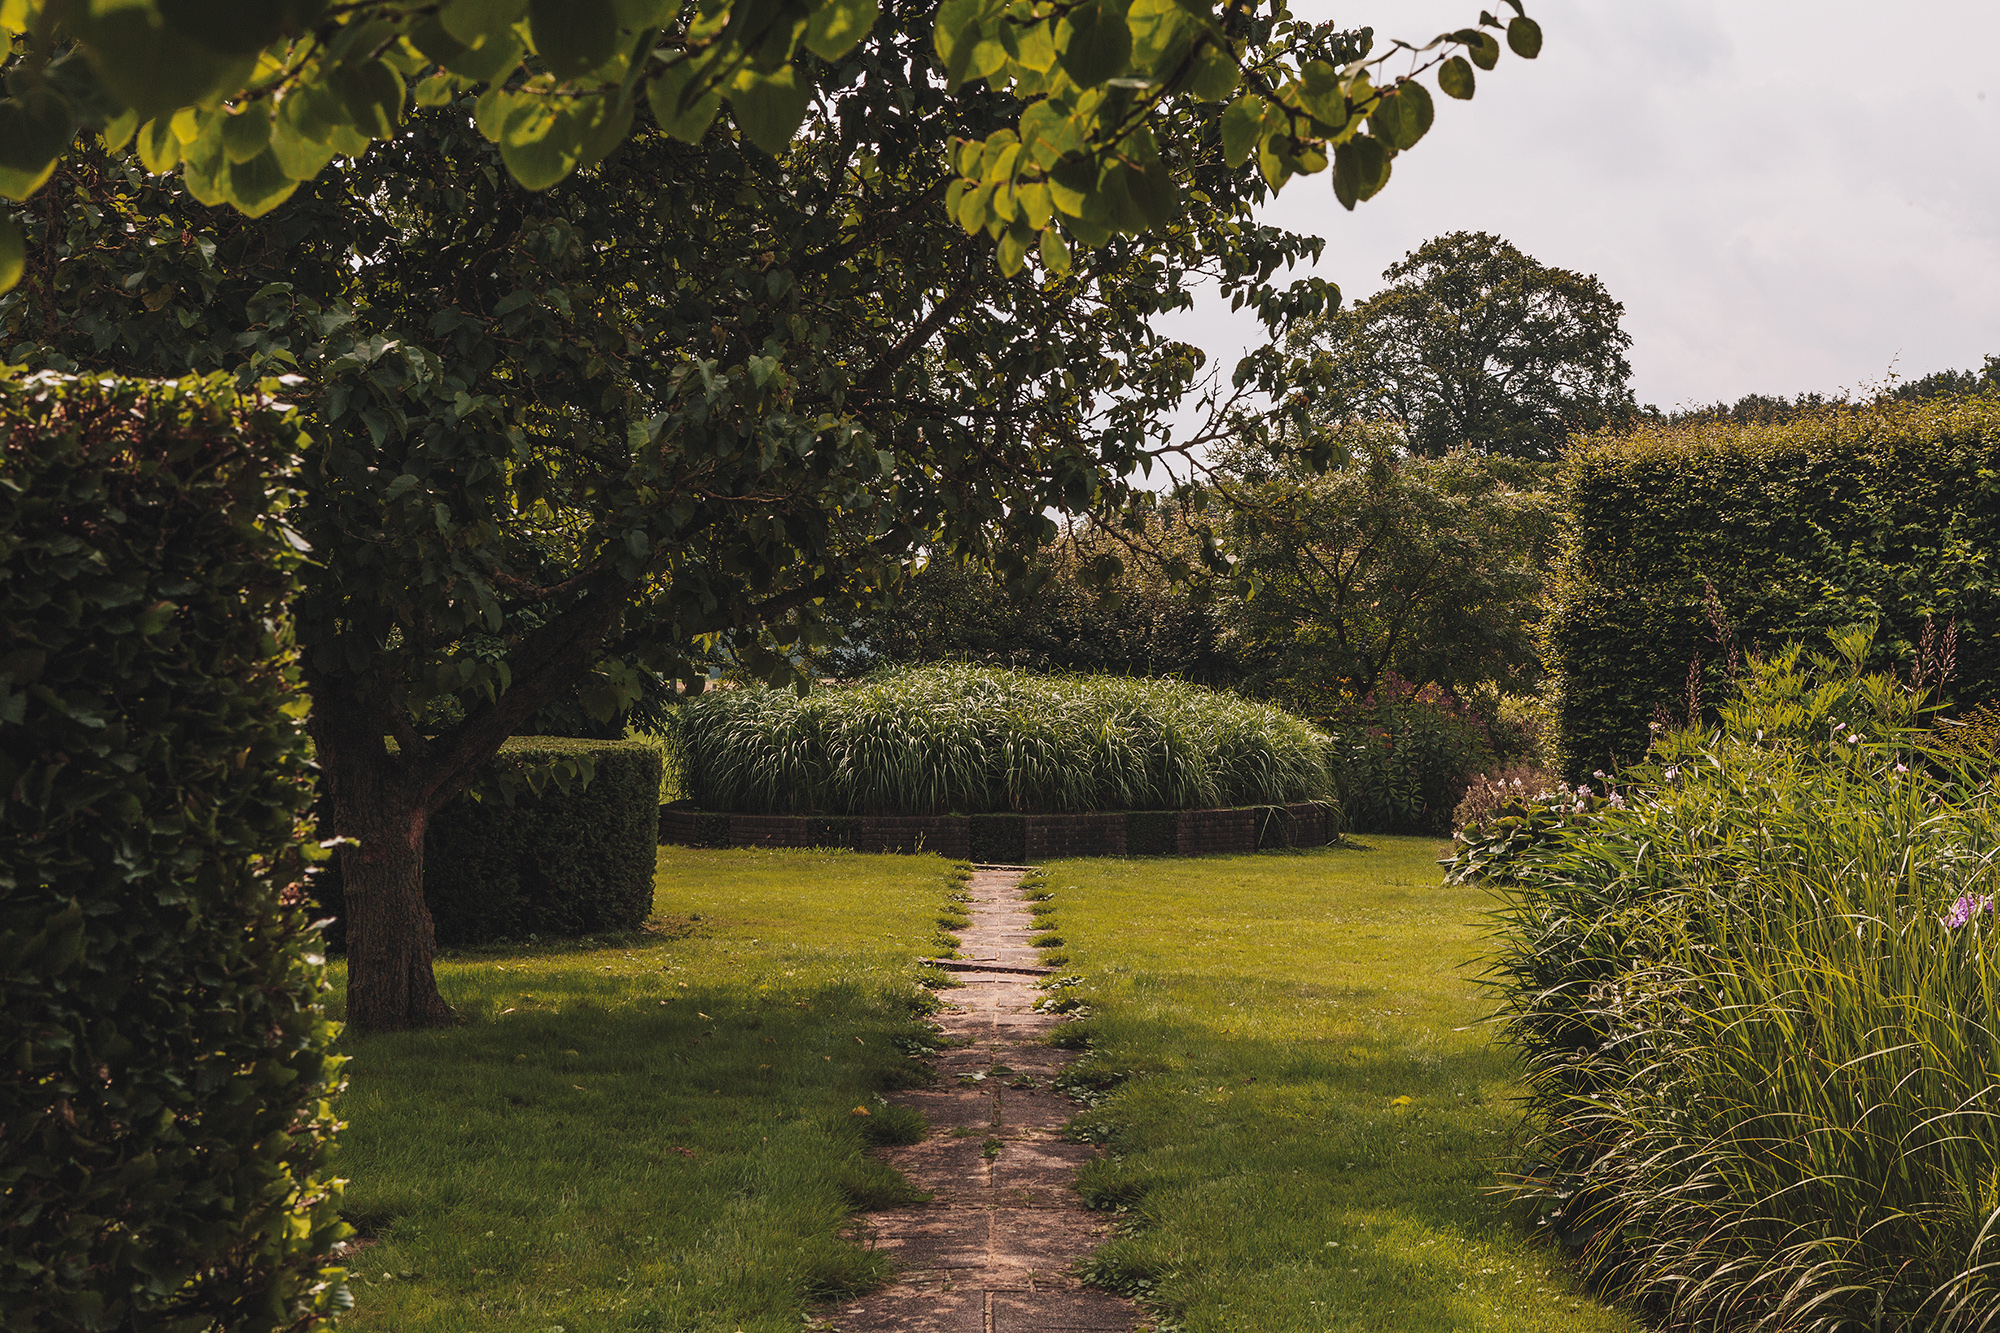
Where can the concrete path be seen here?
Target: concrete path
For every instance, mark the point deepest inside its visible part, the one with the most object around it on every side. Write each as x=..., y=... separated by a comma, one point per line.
x=990, y=1252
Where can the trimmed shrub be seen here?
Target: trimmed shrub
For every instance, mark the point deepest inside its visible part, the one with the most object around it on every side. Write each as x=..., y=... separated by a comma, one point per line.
x=165, y=1120
x=569, y=860
x=970, y=740
x=1686, y=547
x=571, y=853
x=1757, y=994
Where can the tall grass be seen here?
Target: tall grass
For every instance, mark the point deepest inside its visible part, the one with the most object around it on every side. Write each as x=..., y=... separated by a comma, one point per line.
x=1757, y=1002
x=970, y=740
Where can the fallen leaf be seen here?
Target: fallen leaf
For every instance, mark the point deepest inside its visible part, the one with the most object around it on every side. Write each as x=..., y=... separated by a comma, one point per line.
x=1403, y=1101
x=859, y=1110
x=699, y=1014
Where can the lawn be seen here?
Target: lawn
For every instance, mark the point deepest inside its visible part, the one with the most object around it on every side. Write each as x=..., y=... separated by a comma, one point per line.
x=1304, y=1109
x=653, y=1132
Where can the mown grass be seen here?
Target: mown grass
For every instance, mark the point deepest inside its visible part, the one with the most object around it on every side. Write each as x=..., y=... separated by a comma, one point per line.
x=654, y=1132
x=1304, y=1109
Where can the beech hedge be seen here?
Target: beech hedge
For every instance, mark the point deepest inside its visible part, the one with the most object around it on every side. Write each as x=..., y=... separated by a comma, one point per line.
x=1888, y=513
x=166, y=1112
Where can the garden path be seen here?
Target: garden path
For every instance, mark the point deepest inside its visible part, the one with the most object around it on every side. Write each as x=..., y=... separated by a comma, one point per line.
x=991, y=1251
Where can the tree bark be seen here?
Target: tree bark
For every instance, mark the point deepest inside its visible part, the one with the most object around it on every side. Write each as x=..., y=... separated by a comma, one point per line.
x=390, y=937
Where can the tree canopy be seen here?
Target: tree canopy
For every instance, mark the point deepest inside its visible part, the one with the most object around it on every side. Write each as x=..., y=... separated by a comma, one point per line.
x=248, y=99
x=1475, y=345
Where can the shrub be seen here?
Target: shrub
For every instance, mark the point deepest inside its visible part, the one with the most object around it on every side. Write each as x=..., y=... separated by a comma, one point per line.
x=1489, y=793
x=1756, y=996
x=1403, y=759
x=973, y=740
x=1683, y=545
x=166, y=1110
x=538, y=855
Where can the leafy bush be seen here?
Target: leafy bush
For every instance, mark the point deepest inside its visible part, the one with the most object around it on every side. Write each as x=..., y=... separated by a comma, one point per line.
x=973, y=740
x=1757, y=997
x=166, y=1109
x=563, y=842
x=1403, y=759
x=1489, y=793
x=1779, y=532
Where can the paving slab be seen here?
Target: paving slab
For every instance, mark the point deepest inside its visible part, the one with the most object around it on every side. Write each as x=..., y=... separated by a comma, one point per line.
x=994, y=1248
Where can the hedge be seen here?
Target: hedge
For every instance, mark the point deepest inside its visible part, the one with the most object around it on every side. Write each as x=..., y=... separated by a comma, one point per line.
x=569, y=860
x=1888, y=512
x=166, y=1114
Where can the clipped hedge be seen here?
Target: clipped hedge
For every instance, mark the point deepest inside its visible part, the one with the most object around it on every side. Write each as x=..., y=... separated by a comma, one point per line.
x=165, y=1116
x=1888, y=512
x=972, y=740
x=573, y=858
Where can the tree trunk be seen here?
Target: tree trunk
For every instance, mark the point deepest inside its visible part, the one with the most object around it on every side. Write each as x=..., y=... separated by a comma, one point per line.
x=390, y=938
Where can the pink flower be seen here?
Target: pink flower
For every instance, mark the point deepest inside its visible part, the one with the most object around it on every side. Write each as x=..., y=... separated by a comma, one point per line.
x=1965, y=909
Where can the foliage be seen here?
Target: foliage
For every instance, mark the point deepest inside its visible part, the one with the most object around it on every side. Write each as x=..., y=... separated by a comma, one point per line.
x=166, y=1105
x=696, y=394
x=1684, y=548
x=641, y=1130
x=1403, y=758
x=250, y=101
x=1430, y=569
x=1473, y=345
x=970, y=740
x=1507, y=786
x=574, y=856
x=1301, y=1105
x=1104, y=598
x=1755, y=998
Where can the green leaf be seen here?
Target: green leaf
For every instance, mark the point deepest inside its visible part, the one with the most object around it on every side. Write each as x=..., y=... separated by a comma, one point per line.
x=1242, y=124
x=159, y=147
x=248, y=132
x=151, y=68
x=687, y=119
x=769, y=107
x=34, y=131
x=1055, y=254
x=238, y=27
x=1321, y=93
x=1404, y=114
x=1094, y=44
x=1455, y=78
x=259, y=185
x=471, y=20
x=606, y=131
x=1013, y=251
x=1360, y=170
x=1482, y=47
x=837, y=25
x=1215, y=74
x=13, y=254
x=373, y=94
x=1155, y=194
x=298, y=157
x=117, y=133
x=1524, y=36
x=573, y=37
x=539, y=146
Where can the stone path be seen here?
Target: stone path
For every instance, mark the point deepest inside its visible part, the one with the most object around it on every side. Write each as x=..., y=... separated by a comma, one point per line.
x=990, y=1252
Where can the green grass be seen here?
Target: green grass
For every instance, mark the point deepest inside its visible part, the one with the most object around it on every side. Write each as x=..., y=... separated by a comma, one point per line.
x=654, y=1132
x=1304, y=1109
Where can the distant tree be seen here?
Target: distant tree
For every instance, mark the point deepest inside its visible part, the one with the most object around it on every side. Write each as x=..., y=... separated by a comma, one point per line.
x=1473, y=345
x=1135, y=601
x=1763, y=409
x=1430, y=569
x=1950, y=384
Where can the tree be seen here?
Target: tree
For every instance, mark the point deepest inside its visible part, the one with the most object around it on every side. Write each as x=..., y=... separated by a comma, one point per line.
x=1473, y=345
x=1134, y=599
x=250, y=99
x=567, y=437
x=1429, y=569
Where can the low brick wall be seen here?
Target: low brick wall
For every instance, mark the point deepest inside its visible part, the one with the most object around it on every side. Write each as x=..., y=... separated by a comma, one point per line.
x=1012, y=839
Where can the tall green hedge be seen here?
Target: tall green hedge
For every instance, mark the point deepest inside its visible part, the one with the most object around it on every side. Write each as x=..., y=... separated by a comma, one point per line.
x=165, y=1113
x=538, y=855
x=1889, y=513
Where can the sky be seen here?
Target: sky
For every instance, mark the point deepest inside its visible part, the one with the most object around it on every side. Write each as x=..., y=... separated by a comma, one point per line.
x=1785, y=197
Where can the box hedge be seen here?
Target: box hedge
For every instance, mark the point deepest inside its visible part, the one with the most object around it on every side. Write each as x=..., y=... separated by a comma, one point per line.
x=1886, y=513
x=166, y=1113
x=573, y=858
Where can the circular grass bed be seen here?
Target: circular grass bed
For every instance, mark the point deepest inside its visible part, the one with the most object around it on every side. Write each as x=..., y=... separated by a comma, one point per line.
x=973, y=740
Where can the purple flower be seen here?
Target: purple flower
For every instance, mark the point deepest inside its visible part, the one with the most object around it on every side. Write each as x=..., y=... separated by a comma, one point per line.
x=1902, y=768
x=1582, y=789
x=1965, y=909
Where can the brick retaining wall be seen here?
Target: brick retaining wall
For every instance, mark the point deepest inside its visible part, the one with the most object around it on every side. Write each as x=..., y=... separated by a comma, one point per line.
x=1011, y=838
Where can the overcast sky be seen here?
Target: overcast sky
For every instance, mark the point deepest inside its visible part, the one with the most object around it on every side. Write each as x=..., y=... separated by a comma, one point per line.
x=1784, y=196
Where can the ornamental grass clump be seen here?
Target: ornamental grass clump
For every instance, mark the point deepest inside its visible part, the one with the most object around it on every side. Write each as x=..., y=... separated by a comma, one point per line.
x=971, y=740
x=1757, y=1002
